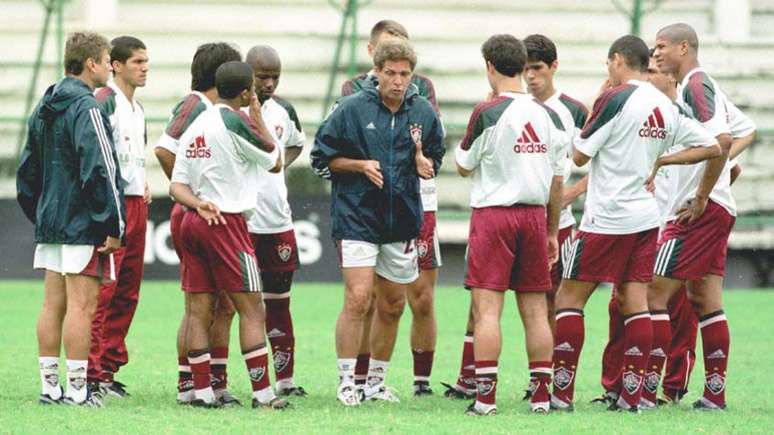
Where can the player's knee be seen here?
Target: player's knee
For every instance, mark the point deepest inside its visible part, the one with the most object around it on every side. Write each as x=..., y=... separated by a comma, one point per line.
x=421, y=304
x=357, y=303
x=392, y=307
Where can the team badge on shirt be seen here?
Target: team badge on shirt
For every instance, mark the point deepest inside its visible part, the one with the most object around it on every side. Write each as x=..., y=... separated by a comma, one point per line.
x=283, y=251
x=416, y=133
x=631, y=381
x=279, y=130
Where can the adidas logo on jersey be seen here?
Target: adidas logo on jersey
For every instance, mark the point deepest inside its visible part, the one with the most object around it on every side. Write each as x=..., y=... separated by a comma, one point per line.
x=654, y=127
x=198, y=149
x=529, y=142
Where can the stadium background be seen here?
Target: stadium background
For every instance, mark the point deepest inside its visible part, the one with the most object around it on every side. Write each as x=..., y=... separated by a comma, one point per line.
x=737, y=37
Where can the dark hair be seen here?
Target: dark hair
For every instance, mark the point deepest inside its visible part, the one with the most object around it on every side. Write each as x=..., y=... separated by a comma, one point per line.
x=540, y=49
x=232, y=78
x=634, y=51
x=394, y=51
x=391, y=27
x=81, y=46
x=651, y=52
x=123, y=47
x=206, y=61
x=505, y=53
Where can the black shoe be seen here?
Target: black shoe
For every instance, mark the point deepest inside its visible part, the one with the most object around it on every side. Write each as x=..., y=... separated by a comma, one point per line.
x=228, y=400
x=422, y=390
x=472, y=410
x=527, y=395
x=276, y=403
x=615, y=407
x=705, y=405
x=46, y=399
x=199, y=403
x=292, y=391
x=606, y=398
x=454, y=393
x=115, y=389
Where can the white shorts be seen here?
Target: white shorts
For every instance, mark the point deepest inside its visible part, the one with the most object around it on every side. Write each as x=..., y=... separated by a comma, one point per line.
x=74, y=259
x=394, y=261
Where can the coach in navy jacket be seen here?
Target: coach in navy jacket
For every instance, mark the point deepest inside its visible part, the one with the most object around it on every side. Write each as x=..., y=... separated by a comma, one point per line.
x=361, y=127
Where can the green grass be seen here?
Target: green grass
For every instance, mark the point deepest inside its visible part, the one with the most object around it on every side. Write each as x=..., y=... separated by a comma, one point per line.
x=151, y=376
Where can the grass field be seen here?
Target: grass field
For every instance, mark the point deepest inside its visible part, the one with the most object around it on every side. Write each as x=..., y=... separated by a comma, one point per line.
x=151, y=376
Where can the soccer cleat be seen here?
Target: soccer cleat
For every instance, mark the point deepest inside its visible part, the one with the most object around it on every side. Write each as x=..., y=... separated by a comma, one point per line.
x=707, y=405
x=621, y=406
x=671, y=396
x=227, y=399
x=607, y=398
x=557, y=404
x=647, y=405
x=97, y=390
x=380, y=392
x=455, y=392
x=295, y=390
x=46, y=399
x=185, y=397
x=474, y=410
x=91, y=401
x=349, y=395
x=200, y=403
x=540, y=407
x=422, y=390
x=277, y=404
x=113, y=389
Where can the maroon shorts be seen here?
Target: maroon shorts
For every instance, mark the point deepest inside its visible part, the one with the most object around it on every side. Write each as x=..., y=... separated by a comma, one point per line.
x=508, y=248
x=565, y=245
x=276, y=252
x=428, y=248
x=613, y=258
x=102, y=266
x=218, y=257
x=692, y=251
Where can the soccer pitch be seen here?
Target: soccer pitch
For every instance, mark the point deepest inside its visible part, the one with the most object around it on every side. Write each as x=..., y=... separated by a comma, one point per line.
x=152, y=373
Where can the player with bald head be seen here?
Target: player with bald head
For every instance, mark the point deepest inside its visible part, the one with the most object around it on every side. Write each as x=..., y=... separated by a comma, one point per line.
x=270, y=223
x=693, y=245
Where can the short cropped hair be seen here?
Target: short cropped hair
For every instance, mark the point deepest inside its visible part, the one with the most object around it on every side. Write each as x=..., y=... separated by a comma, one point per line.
x=391, y=27
x=506, y=54
x=123, y=47
x=634, y=51
x=81, y=46
x=540, y=49
x=394, y=51
x=206, y=61
x=232, y=78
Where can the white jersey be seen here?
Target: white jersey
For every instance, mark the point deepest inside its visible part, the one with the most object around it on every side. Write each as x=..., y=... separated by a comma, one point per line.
x=183, y=115
x=272, y=212
x=127, y=119
x=218, y=159
x=631, y=126
x=700, y=96
x=573, y=115
x=514, y=146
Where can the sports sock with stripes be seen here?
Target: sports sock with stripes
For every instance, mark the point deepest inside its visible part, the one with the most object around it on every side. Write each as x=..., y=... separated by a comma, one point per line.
x=199, y=360
x=76, y=380
x=568, y=343
x=257, y=362
x=486, y=382
x=466, y=380
x=377, y=372
x=539, y=380
x=715, y=339
x=638, y=340
x=49, y=376
x=218, y=366
x=282, y=341
x=361, y=368
x=423, y=366
x=184, y=377
x=662, y=335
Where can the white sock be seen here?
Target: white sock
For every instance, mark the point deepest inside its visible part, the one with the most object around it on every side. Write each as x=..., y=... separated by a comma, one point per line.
x=205, y=394
x=285, y=383
x=346, y=370
x=264, y=396
x=377, y=371
x=76, y=380
x=49, y=376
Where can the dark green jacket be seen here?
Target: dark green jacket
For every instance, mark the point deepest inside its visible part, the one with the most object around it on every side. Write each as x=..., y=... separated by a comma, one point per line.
x=362, y=127
x=68, y=181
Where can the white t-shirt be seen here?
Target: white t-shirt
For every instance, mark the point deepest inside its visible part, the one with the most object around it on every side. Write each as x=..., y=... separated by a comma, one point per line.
x=272, y=212
x=631, y=125
x=182, y=116
x=573, y=115
x=514, y=148
x=219, y=156
x=127, y=119
x=700, y=96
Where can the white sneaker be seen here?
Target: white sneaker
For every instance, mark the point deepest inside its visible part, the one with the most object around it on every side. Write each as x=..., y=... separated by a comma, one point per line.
x=348, y=394
x=647, y=405
x=540, y=407
x=185, y=397
x=380, y=392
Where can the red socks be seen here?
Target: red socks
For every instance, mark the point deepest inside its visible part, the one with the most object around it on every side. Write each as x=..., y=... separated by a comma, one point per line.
x=539, y=378
x=279, y=327
x=716, y=341
x=423, y=365
x=638, y=339
x=662, y=336
x=568, y=340
x=361, y=368
x=486, y=382
x=257, y=362
x=218, y=367
x=466, y=380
